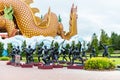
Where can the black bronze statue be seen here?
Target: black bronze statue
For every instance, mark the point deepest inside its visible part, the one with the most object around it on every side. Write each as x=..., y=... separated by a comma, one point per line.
x=46, y=56
x=105, y=53
x=76, y=55
x=105, y=47
x=55, y=54
x=84, y=53
x=64, y=52
x=70, y=53
x=40, y=50
x=18, y=50
x=29, y=54
x=12, y=54
x=15, y=55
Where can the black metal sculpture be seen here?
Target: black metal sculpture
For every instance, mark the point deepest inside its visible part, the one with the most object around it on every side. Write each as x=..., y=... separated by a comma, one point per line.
x=46, y=56
x=12, y=54
x=29, y=55
x=105, y=53
x=84, y=53
x=64, y=52
x=76, y=55
x=40, y=50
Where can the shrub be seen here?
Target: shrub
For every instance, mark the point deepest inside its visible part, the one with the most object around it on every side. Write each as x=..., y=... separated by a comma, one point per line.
x=4, y=58
x=99, y=64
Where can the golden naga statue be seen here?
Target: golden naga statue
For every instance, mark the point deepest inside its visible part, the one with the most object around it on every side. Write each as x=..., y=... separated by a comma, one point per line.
x=29, y=25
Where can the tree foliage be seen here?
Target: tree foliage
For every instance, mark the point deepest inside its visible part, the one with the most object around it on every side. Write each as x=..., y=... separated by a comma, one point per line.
x=104, y=37
x=23, y=47
x=59, y=19
x=94, y=43
x=1, y=48
x=9, y=48
x=115, y=39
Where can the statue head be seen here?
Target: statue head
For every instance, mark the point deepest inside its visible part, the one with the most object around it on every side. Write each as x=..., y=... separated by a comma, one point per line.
x=82, y=49
x=29, y=46
x=45, y=47
x=18, y=47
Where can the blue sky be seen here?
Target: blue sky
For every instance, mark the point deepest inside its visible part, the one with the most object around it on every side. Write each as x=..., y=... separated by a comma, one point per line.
x=93, y=15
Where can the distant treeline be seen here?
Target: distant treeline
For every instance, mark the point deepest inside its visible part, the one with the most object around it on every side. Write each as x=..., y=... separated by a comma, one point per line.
x=113, y=41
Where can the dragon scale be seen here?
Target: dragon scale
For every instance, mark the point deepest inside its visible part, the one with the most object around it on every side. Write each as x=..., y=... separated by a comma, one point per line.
x=27, y=24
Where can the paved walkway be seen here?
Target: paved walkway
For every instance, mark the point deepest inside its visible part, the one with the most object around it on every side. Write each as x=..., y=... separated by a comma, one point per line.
x=18, y=73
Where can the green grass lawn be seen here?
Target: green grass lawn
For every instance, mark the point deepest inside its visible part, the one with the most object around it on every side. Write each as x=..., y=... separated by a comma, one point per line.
x=115, y=54
x=115, y=60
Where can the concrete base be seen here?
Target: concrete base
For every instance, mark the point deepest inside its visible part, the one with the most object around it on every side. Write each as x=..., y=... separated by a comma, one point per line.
x=57, y=66
x=75, y=67
x=26, y=65
x=37, y=64
x=8, y=63
x=45, y=67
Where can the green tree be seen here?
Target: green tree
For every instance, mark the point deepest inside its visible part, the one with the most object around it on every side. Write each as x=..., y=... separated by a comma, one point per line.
x=73, y=44
x=67, y=46
x=110, y=49
x=79, y=45
x=1, y=48
x=94, y=43
x=59, y=19
x=115, y=38
x=9, y=48
x=88, y=46
x=84, y=45
x=118, y=42
x=41, y=44
x=56, y=45
x=52, y=43
x=104, y=37
x=41, y=17
x=23, y=47
x=105, y=40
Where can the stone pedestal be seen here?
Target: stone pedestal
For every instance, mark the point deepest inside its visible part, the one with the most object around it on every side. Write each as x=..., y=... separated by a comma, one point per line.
x=57, y=66
x=26, y=65
x=37, y=64
x=9, y=63
x=45, y=66
x=75, y=67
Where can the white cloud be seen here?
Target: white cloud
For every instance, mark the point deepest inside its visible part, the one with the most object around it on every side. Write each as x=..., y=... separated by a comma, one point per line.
x=93, y=15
